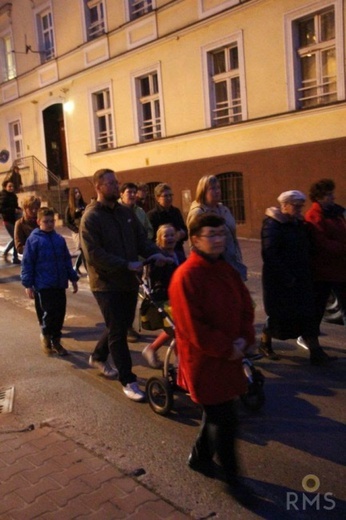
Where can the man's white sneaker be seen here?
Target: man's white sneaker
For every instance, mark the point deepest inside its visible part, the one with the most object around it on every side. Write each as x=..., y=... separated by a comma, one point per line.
x=151, y=356
x=302, y=343
x=132, y=391
x=104, y=367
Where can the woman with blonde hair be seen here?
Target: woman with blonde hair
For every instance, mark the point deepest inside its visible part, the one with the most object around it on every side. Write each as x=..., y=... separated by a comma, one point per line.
x=208, y=199
x=27, y=223
x=22, y=230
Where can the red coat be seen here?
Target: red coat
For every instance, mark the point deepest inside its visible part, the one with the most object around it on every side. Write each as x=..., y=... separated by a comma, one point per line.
x=328, y=232
x=211, y=308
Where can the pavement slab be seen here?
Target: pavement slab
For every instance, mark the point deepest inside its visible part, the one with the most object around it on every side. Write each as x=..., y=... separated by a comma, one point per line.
x=45, y=475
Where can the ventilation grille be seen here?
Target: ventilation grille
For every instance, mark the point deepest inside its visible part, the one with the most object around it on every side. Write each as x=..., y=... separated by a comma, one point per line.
x=6, y=399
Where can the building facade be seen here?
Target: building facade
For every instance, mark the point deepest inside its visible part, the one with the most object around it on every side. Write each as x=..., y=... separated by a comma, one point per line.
x=252, y=91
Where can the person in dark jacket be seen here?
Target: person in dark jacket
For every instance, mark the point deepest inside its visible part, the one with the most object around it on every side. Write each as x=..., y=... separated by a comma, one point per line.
x=286, y=278
x=327, y=224
x=127, y=198
x=10, y=212
x=73, y=215
x=47, y=269
x=16, y=178
x=165, y=213
x=112, y=239
x=142, y=196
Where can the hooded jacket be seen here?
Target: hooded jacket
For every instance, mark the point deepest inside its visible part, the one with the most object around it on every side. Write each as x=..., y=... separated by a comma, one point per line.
x=46, y=262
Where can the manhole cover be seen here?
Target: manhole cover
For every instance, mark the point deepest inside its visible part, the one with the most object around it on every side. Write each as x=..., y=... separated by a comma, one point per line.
x=6, y=399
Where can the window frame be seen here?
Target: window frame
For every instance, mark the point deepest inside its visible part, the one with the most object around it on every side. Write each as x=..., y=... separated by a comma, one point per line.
x=16, y=140
x=209, y=83
x=8, y=61
x=291, y=21
x=141, y=100
x=87, y=6
x=232, y=194
x=131, y=16
x=97, y=114
x=151, y=194
x=50, y=53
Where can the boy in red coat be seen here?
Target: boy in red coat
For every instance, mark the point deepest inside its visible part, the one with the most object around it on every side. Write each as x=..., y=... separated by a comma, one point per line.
x=213, y=316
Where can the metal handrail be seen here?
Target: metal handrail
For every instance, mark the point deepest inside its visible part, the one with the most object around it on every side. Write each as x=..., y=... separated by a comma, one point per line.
x=35, y=175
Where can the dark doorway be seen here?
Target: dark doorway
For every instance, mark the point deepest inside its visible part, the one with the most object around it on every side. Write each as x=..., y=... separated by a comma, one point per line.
x=54, y=132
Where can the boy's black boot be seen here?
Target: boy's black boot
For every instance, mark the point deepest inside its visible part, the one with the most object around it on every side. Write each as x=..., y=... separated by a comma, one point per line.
x=58, y=348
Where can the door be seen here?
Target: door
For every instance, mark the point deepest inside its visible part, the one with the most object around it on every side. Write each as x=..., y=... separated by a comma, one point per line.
x=55, y=140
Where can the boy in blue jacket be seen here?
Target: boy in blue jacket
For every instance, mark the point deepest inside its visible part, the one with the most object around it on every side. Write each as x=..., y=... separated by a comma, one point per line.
x=46, y=270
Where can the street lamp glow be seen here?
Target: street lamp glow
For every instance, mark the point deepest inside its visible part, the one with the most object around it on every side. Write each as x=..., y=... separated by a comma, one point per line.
x=68, y=107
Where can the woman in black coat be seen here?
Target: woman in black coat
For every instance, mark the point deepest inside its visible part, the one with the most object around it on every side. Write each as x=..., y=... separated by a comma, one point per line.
x=10, y=212
x=286, y=278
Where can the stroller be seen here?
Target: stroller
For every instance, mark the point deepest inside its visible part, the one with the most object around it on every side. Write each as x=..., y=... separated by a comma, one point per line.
x=160, y=390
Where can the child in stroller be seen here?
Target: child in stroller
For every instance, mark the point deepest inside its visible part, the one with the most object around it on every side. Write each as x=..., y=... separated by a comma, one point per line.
x=159, y=278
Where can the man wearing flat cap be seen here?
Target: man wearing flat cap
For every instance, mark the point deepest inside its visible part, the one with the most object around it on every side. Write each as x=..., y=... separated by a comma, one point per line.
x=286, y=278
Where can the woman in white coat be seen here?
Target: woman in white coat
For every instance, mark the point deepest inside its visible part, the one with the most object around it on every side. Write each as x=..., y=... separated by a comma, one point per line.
x=208, y=199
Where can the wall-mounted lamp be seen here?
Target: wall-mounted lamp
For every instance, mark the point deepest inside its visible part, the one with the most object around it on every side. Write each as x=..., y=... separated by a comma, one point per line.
x=68, y=107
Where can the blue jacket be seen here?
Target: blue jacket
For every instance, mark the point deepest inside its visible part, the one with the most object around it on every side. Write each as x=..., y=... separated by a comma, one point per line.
x=46, y=262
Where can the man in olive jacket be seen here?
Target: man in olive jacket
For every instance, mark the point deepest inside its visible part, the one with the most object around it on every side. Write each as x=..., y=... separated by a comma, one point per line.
x=112, y=238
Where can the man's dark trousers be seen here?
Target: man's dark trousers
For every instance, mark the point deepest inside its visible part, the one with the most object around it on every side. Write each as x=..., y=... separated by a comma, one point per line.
x=118, y=309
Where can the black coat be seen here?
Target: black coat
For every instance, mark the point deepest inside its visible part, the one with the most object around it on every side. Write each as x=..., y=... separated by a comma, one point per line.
x=8, y=206
x=287, y=284
x=73, y=220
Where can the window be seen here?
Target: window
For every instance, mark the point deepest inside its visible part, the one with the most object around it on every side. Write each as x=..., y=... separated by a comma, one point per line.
x=317, y=59
x=151, y=194
x=232, y=193
x=315, y=56
x=148, y=106
x=138, y=8
x=46, y=35
x=16, y=139
x=103, y=120
x=225, y=82
x=94, y=18
x=8, y=64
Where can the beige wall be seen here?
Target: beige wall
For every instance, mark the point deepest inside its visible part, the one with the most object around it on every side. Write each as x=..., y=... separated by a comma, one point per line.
x=273, y=148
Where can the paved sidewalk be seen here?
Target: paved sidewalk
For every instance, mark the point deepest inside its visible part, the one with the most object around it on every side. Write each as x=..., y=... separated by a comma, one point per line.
x=45, y=475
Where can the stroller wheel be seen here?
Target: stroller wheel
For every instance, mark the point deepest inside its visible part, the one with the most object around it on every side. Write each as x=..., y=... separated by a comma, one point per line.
x=159, y=395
